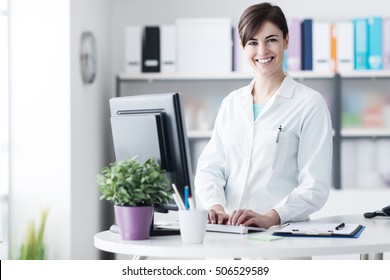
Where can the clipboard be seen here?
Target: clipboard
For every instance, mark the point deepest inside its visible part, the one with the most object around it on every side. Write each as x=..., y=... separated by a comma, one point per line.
x=310, y=229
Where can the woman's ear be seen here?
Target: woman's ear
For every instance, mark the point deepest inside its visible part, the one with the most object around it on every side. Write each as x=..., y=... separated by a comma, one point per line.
x=286, y=42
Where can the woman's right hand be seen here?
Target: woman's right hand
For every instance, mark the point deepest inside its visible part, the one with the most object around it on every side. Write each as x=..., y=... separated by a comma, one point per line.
x=217, y=215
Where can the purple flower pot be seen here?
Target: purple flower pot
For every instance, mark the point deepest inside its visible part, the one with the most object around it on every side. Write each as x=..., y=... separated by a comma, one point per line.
x=134, y=222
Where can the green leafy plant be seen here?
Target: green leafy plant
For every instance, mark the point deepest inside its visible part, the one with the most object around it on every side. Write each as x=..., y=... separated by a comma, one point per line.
x=132, y=183
x=34, y=247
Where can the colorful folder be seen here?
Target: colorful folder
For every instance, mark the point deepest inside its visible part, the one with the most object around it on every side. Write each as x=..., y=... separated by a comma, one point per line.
x=307, y=45
x=375, y=43
x=361, y=44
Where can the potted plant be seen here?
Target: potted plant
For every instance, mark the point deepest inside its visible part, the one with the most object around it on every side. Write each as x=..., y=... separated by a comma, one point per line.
x=134, y=188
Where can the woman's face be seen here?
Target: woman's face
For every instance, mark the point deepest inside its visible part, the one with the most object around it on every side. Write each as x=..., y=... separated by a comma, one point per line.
x=265, y=50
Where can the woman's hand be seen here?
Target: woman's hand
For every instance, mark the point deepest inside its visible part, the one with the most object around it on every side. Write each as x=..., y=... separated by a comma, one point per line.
x=251, y=218
x=217, y=215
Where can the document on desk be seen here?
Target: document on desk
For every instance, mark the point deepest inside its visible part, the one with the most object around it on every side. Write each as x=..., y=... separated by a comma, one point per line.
x=320, y=229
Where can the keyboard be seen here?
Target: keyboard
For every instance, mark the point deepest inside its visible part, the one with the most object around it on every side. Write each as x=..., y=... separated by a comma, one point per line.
x=209, y=227
x=233, y=229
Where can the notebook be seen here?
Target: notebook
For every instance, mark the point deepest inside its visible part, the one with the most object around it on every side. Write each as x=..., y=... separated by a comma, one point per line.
x=320, y=229
x=233, y=229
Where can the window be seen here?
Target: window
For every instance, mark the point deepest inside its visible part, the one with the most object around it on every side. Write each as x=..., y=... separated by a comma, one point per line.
x=4, y=128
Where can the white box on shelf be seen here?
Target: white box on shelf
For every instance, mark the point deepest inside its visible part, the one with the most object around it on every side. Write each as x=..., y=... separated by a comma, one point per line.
x=344, y=46
x=204, y=45
x=321, y=47
x=168, y=48
x=133, y=37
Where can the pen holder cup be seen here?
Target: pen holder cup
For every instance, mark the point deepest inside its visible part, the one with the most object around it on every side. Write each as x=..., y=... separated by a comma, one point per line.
x=192, y=225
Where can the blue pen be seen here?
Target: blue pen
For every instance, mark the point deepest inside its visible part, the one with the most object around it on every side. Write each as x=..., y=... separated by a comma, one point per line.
x=186, y=194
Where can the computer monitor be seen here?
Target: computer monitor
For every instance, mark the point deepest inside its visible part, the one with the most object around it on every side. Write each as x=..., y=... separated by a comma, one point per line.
x=153, y=125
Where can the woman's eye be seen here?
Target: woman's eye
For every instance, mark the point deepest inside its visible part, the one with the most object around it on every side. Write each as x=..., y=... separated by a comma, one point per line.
x=271, y=40
x=252, y=43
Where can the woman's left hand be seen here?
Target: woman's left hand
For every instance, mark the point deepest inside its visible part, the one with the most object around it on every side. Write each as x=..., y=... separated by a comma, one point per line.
x=251, y=218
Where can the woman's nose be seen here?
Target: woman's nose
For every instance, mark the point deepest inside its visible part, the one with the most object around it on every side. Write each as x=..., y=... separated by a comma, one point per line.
x=261, y=49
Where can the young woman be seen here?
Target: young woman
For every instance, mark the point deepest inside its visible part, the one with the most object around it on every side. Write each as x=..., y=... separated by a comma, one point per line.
x=270, y=154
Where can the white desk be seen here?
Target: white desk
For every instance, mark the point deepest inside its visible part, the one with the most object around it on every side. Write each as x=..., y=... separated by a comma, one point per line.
x=374, y=240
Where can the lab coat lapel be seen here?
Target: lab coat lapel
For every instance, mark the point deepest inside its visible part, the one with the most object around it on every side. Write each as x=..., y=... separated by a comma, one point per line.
x=246, y=102
x=285, y=90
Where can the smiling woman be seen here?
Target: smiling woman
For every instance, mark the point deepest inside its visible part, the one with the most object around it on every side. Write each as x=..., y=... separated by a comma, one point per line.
x=270, y=154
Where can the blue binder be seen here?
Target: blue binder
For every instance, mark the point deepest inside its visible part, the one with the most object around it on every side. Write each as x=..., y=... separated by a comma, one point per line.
x=307, y=44
x=375, y=55
x=360, y=30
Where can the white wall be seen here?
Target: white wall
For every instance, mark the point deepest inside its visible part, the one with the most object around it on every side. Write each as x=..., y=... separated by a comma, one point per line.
x=58, y=124
x=40, y=121
x=89, y=125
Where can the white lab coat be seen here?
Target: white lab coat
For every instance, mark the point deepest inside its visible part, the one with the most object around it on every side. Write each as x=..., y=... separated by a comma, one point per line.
x=243, y=165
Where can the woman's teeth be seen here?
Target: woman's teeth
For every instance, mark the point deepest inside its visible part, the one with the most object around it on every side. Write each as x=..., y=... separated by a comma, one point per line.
x=265, y=60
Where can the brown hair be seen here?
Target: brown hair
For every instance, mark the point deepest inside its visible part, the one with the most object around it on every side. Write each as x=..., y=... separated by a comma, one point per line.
x=254, y=16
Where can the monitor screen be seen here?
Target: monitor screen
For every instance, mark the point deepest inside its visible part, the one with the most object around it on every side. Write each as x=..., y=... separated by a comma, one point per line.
x=153, y=126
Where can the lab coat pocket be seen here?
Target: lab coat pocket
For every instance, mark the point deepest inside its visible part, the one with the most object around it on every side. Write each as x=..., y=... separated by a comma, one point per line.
x=282, y=151
x=270, y=150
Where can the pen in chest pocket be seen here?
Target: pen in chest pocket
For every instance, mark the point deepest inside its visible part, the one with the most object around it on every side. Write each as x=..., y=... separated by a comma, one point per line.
x=278, y=134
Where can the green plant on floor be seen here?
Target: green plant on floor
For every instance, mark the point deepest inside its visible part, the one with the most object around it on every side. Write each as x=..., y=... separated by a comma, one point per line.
x=132, y=183
x=34, y=247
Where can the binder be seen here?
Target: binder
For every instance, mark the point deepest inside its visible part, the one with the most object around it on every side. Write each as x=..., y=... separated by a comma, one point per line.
x=294, y=58
x=133, y=36
x=375, y=43
x=386, y=43
x=320, y=230
x=361, y=44
x=168, y=48
x=321, y=46
x=151, y=49
x=307, y=44
x=204, y=45
x=240, y=63
x=345, y=46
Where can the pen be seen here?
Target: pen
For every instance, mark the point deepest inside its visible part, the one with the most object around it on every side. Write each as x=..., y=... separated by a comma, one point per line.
x=277, y=136
x=340, y=226
x=177, y=202
x=311, y=232
x=179, y=199
x=186, y=194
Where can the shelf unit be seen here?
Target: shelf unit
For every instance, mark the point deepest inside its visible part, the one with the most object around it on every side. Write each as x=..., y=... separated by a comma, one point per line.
x=323, y=82
x=363, y=78
x=365, y=133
